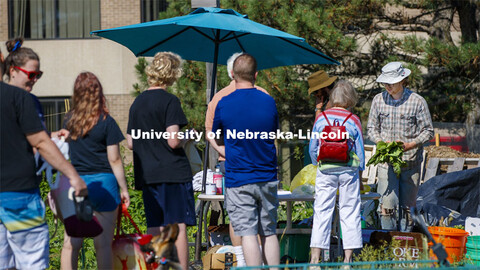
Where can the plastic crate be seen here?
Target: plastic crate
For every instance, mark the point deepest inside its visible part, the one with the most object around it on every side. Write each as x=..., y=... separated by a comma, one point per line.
x=294, y=247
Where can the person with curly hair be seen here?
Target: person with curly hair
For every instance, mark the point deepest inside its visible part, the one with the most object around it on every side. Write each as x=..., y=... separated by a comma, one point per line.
x=95, y=154
x=161, y=166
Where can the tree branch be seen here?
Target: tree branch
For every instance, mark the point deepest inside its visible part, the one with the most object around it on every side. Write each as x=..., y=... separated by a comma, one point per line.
x=407, y=28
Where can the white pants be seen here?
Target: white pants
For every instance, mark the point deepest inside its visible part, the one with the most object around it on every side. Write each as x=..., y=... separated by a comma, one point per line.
x=349, y=203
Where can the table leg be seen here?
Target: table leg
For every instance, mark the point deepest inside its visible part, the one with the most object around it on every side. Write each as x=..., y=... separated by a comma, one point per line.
x=289, y=215
x=198, y=238
x=205, y=221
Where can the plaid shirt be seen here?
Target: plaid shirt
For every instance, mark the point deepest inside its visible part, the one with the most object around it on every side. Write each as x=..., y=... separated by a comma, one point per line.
x=407, y=119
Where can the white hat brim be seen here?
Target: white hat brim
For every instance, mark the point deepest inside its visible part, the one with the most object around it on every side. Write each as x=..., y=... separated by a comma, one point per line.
x=384, y=78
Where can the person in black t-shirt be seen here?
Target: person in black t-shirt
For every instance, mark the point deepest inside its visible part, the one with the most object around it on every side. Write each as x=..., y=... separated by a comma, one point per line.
x=24, y=239
x=94, y=152
x=22, y=67
x=161, y=167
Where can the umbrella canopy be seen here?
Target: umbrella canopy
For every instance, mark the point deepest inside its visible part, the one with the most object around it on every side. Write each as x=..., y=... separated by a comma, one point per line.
x=213, y=35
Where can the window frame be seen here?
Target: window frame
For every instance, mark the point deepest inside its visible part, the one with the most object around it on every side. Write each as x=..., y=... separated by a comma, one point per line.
x=143, y=3
x=10, y=26
x=58, y=113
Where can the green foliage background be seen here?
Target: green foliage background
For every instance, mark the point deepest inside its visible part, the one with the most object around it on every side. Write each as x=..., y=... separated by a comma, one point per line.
x=446, y=74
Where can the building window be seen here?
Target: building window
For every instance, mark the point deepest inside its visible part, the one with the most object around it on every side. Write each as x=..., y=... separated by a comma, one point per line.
x=54, y=109
x=151, y=8
x=50, y=19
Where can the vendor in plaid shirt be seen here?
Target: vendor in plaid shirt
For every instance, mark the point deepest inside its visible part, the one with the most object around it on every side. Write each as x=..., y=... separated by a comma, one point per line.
x=398, y=114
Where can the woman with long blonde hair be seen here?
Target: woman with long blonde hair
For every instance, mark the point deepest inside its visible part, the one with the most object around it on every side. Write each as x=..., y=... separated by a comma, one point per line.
x=95, y=154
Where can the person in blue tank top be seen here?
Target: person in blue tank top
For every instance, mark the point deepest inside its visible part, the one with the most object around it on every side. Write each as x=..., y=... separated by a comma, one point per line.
x=248, y=119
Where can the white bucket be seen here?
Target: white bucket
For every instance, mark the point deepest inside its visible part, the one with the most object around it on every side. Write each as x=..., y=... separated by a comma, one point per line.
x=210, y=189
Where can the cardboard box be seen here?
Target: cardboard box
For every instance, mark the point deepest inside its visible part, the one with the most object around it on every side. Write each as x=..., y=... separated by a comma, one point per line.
x=218, y=261
x=413, y=246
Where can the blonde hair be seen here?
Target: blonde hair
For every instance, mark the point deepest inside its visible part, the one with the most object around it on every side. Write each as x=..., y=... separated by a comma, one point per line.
x=344, y=95
x=165, y=69
x=88, y=105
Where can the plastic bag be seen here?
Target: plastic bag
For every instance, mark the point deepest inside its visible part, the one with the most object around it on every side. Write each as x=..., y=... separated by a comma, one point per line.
x=306, y=176
x=304, y=190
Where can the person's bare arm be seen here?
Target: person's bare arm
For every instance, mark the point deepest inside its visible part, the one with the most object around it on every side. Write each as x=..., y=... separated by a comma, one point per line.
x=360, y=175
x=115, y=160
x=129, y=142
x=60, y=133
x=213, y=142
x=49, y=151
x=173, y=141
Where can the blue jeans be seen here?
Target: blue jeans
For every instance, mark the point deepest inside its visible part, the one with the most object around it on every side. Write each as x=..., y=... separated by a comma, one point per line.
x=398, y=195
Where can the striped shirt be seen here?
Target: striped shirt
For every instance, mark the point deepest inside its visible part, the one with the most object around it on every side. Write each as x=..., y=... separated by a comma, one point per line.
x=406, y=119
x=353, y=127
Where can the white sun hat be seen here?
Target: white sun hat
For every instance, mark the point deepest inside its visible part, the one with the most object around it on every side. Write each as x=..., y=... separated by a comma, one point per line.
x=393, y=72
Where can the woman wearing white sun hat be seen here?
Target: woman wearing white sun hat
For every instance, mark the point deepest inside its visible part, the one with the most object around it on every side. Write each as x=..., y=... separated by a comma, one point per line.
x=398, y=114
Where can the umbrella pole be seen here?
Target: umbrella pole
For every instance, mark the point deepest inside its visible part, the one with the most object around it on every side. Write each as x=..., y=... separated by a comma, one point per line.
x=198, y=240
x=212, y=92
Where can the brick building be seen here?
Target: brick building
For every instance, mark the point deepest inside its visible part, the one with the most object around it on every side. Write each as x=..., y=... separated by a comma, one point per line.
x=58, y=30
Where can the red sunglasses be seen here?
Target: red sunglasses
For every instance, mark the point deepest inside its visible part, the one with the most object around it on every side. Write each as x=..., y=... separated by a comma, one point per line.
x=30, y=74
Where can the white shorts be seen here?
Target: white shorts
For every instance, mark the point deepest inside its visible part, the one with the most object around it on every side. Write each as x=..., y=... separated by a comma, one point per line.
x=27, y=249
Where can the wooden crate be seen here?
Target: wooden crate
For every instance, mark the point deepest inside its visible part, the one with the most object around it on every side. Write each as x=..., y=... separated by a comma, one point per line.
x=370, y=173
x=434, y=166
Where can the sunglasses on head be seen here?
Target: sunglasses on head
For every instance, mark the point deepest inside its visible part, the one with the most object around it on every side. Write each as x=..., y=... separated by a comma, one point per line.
x=30, y=74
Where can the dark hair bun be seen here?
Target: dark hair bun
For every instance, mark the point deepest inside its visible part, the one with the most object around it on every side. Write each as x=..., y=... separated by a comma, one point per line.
x=12, y=42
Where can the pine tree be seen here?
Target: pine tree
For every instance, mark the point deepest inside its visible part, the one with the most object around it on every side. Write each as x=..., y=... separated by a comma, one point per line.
x=445, y=73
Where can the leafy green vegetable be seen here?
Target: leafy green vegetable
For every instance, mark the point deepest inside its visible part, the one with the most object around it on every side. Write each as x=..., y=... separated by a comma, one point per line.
x=390, y=153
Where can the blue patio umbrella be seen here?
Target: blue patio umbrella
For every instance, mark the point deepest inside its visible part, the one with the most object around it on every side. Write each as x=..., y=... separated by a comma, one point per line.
x=213, y=35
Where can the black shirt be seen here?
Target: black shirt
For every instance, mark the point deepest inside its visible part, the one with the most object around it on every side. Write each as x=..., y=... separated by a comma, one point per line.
x=89, y=153
x=39, y=108
x=18, y=118
x=154, y=160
